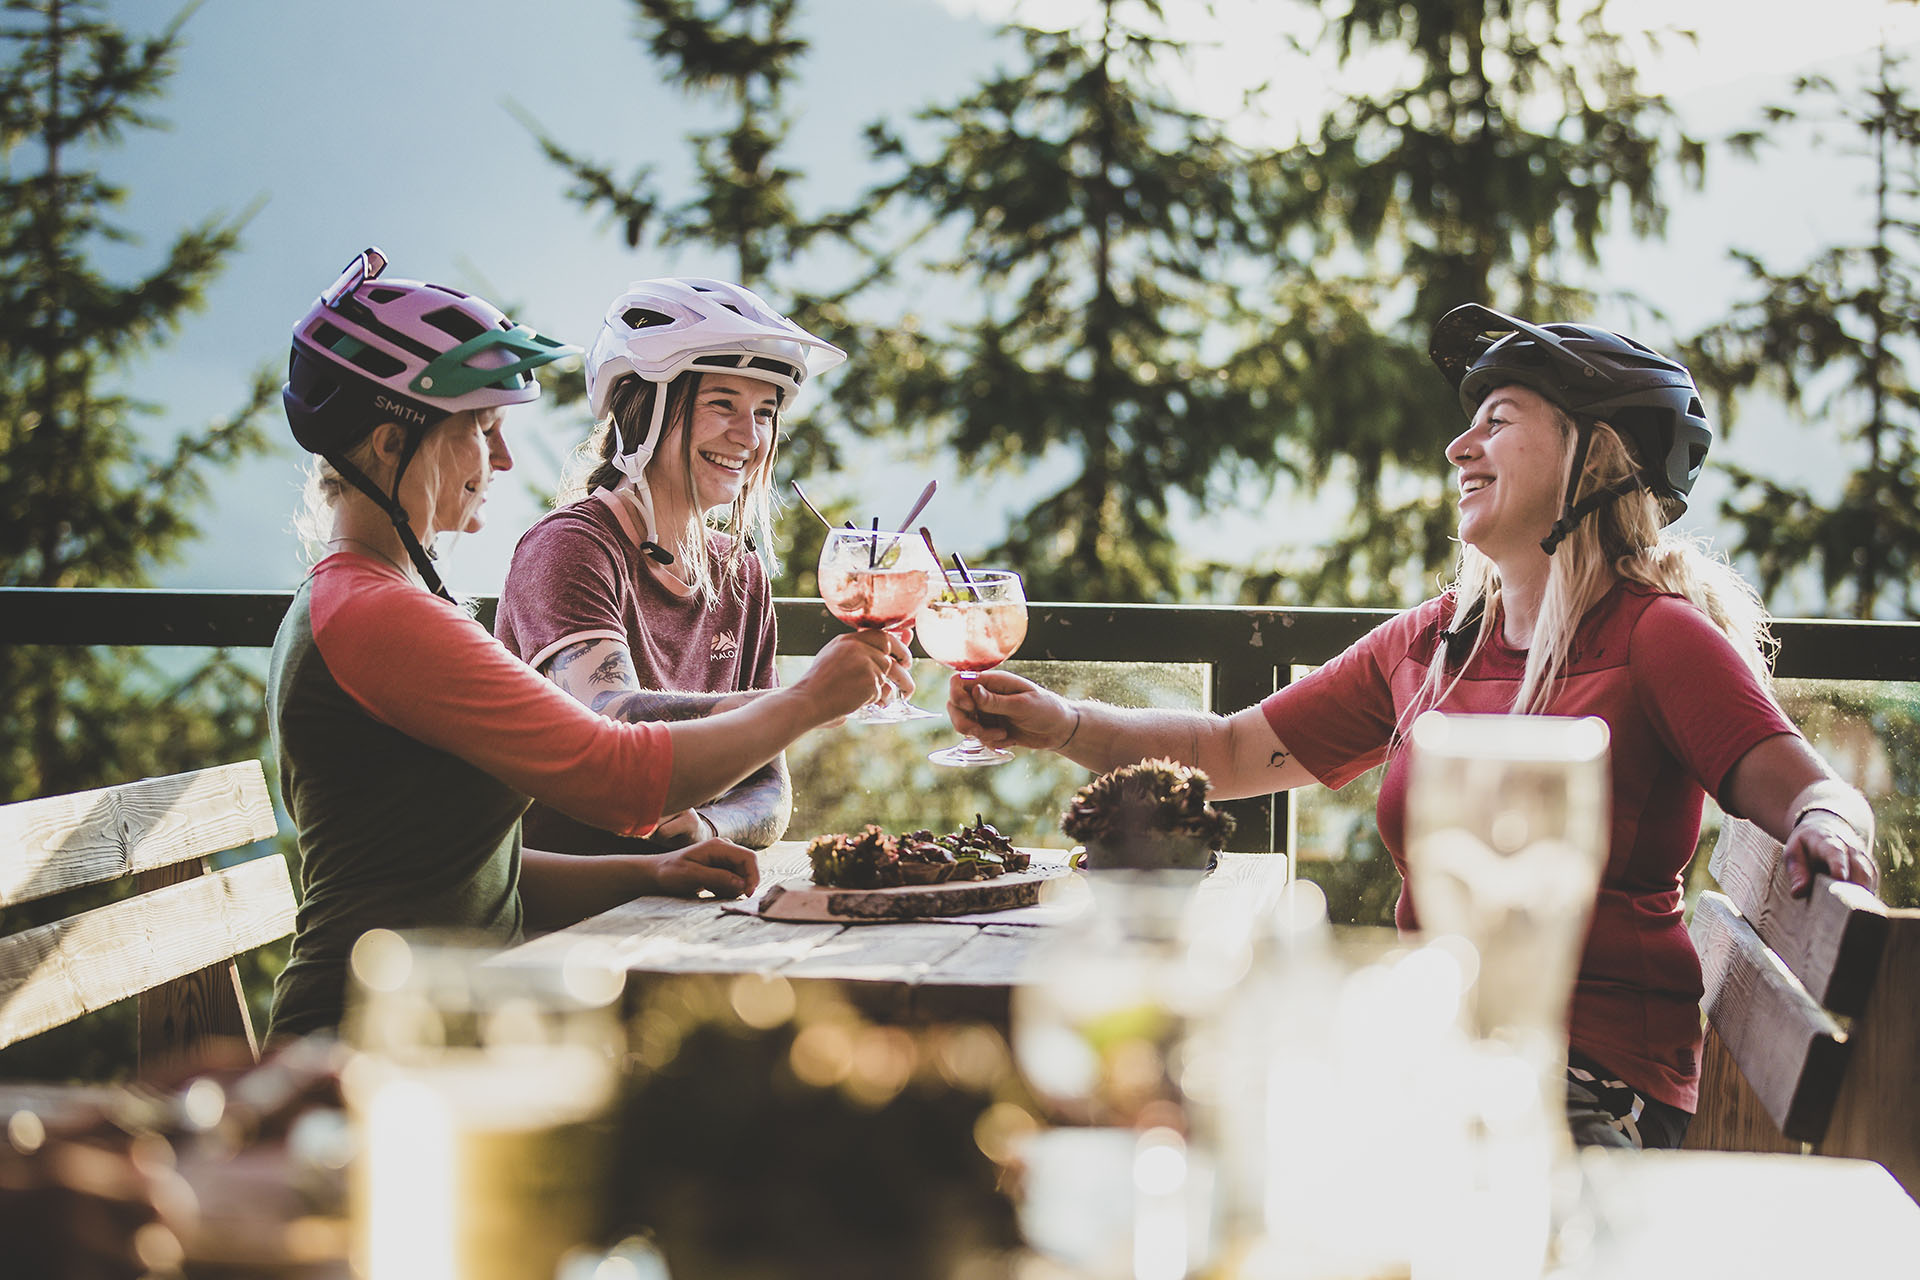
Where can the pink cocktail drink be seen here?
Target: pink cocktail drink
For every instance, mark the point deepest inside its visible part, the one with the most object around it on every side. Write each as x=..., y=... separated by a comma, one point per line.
x=970, y=636
x=874, y=598
x=871, y=578
x=973, y=626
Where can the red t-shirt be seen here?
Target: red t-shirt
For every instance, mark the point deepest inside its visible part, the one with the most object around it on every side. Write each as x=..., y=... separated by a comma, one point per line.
x=1683, y=709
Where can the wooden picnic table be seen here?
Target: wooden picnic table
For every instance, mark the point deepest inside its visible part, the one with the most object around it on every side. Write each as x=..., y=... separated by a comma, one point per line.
x=958, y=969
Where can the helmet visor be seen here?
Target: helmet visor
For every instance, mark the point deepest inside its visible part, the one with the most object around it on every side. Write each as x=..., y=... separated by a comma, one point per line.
x=1467, y=333
x=366, y=265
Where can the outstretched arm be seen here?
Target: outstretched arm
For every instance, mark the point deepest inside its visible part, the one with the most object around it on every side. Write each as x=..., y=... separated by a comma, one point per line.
x=1240, y=753
x=600, y=674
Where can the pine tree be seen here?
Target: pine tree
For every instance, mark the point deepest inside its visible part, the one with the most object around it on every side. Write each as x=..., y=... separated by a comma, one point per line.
x=84, y=502
x=1099, y=226
x=1487, y=173
x=1836, y=339
x=743, y=52
x=741, y=55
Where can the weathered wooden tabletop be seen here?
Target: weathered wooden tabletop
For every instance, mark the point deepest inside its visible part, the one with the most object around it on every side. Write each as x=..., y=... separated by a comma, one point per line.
x=930, y=969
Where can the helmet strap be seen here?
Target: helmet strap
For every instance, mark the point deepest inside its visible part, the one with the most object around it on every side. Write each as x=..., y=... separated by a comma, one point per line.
x=402, y=523
x=1571, y=514
x=633, y=465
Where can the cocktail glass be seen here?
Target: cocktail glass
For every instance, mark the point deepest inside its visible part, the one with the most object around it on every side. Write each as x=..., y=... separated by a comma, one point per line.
x=876, y=578
x=973, y=626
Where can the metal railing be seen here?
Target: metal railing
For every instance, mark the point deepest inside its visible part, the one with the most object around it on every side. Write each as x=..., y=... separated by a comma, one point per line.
x=1249, y=652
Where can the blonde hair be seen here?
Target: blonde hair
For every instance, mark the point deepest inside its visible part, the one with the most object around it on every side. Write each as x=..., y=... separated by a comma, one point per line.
x=323, y=487
x=749, y=518
x=1624, y=539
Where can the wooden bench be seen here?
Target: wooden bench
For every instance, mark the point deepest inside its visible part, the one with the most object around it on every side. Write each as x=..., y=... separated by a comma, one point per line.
x=1813, y=1024
x=172, y=942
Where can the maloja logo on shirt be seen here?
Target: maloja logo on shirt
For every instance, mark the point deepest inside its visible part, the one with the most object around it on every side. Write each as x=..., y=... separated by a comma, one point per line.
x=725, y=646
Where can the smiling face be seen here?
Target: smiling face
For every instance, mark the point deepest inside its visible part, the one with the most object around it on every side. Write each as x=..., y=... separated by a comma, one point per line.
x=1512, y=466
x=446, y=484
x=725, y=447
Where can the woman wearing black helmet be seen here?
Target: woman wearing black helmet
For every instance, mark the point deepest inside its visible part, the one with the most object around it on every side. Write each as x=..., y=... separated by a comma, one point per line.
x=1569, y=600
x=409, y=740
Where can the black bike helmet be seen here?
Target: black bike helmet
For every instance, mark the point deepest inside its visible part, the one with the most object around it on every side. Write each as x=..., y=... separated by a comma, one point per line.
x=1595, y=376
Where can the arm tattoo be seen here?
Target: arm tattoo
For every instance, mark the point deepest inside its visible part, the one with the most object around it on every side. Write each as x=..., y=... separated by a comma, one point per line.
x=755, y=813
x=655, y=704
x=1277, y=760
x=615, y=669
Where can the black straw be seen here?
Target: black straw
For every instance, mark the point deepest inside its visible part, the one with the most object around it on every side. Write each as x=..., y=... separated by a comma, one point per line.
x=965, y=576
x=873, y=547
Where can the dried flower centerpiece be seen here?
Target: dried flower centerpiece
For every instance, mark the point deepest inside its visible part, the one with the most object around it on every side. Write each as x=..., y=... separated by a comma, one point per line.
x=1148, y=816
x=872, y=859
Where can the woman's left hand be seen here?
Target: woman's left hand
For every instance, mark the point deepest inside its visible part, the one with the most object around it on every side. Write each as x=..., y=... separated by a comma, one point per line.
x=1826, y=842
x=721, y=867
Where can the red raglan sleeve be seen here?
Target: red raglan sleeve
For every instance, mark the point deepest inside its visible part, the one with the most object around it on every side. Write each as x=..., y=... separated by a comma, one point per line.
x=419, y=664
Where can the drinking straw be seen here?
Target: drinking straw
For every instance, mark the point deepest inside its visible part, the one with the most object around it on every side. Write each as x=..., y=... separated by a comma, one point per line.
x=926, y=496
x=873, y=546
x=965, y=576
x=926, y=535
x=802, y=493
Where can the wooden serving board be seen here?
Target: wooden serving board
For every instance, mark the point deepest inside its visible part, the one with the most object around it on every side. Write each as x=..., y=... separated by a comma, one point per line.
x=800, y=899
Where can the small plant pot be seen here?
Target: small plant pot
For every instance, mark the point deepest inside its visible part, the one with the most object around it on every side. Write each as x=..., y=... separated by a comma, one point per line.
x=1148, y=850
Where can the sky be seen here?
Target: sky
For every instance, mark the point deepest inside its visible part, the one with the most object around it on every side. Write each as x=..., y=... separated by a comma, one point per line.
x=397, y=123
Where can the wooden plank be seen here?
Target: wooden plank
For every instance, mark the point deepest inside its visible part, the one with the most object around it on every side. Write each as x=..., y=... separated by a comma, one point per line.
x=883, y=952
x=1790, y=1049
x=1730, y=1116
x=64, y=842
x=178, y=1020
x=52, y=974
x=1877, y=1115
x=1831, y=939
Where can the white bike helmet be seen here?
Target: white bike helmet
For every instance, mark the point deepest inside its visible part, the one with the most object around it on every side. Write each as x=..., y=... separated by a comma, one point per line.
x=657, y=330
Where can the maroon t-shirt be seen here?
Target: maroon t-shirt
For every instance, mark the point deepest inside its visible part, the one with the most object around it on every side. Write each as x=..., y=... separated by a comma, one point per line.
x=579, y=574
x=1683, y=709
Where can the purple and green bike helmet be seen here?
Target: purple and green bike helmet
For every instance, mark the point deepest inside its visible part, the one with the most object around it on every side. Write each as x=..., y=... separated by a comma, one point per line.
x=373, y=350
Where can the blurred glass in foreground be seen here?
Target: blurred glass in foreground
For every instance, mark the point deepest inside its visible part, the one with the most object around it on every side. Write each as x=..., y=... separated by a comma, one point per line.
x=484, y=1097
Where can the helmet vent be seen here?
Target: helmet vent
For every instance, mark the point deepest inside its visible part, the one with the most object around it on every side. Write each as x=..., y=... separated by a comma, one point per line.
x=385, y=295
x=455, y=322
x=642, y=318
x=1695, y=409
x=795, y=372
x=376, y=362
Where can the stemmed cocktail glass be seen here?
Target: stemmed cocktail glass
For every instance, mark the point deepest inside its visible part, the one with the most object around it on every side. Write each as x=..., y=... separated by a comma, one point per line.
x=877, y=578
x=972, y=625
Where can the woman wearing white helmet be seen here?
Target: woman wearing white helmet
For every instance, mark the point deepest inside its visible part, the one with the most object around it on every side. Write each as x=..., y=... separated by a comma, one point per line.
x=625, y=596
x=408, y=740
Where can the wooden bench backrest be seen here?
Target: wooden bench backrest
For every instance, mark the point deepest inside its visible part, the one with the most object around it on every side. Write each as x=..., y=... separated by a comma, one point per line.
x=173, y=941
x=1811, y=1013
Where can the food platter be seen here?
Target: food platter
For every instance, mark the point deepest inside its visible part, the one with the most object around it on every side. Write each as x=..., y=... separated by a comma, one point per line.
x=798, y=898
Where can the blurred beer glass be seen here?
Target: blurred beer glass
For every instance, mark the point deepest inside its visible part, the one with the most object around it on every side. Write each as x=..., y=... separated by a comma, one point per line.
x=482, y=1094
x=1507, y=836
x=1116, y=1029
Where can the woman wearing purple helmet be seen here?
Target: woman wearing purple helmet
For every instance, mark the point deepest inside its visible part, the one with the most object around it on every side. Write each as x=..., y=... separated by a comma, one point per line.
x=408, y=739
x=624, y=595
x=1570, y=599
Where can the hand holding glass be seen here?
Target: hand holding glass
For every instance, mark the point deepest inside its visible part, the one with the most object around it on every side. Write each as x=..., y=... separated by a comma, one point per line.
x=973, y=627
x=875, y=578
